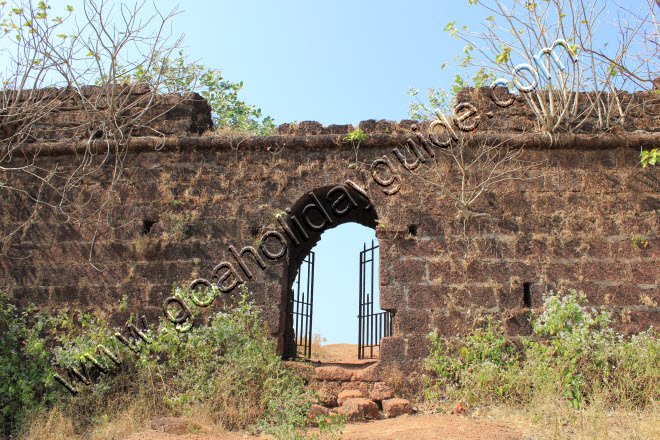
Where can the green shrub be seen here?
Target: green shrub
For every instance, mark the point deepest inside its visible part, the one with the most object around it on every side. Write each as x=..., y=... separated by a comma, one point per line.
x=228, y=367
x=574, y=350
x=24, y=365
x=230, y=363
x=481, y=366
x=635, y=378
x=573, y=354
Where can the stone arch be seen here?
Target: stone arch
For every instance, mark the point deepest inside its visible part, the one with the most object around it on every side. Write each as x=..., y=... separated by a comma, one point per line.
x=313, y=213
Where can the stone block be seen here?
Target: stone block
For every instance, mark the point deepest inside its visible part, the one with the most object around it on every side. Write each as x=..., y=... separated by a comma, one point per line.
x=381, y=392
x=645, y=272
x=391, y=298
x=409, y=271
x=369, y=374
x=328, y=396
x=556, y=272
x=603, y=271
x=359, y=409
x=423, y=296
x=316, y=411
x=348, y=394
x=392, y=349
x=333, y=374
x=418, y=346
x=445, y=272
x=408, y=321
x=396, y=407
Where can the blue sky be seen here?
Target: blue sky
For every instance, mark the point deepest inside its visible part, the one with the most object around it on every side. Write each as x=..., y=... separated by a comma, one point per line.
x=334, y=62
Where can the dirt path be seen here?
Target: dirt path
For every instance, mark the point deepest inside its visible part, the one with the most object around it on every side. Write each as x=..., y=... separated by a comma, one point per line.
x=338, y=353
x=416, y=427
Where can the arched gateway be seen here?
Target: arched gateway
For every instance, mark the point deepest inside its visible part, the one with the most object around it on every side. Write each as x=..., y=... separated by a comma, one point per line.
x=314, y=213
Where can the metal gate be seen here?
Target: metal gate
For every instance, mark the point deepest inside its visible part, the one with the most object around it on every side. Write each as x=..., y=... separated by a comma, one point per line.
x=298, y=334
x=371, y=326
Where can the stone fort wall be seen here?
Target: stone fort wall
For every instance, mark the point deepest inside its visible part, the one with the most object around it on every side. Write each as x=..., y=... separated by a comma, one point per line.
x=190, y=203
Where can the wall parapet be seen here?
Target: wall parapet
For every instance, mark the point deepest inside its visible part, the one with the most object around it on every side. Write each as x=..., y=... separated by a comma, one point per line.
x=373, y=140
x=182, y=127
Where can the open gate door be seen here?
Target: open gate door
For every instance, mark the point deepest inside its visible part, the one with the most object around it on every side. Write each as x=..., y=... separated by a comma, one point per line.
x=372, y=327
x=298, y=334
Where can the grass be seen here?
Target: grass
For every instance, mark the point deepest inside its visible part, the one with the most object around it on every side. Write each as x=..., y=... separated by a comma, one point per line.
x=574, y=378
x=318, y=351
x=223, y=376
x=553, y=420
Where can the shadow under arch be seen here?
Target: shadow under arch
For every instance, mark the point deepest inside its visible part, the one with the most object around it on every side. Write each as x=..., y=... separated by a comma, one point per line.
x=317, y=211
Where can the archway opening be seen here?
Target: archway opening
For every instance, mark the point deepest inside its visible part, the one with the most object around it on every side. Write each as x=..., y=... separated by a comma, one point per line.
x=331, y=281
x=342, y=270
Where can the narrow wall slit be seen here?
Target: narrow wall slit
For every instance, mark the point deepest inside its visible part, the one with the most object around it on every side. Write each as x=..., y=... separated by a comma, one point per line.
x=146, y=226
x=527, y=295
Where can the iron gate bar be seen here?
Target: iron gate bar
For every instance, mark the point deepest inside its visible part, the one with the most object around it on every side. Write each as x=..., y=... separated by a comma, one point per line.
x=299, y=311
x=310, y=301
x=372, y=327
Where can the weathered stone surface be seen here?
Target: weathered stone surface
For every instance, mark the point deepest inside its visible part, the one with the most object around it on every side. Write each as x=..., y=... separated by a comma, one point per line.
x=328, y=397
x=333, y=374
x=391, y=298
x=569, y=225
x=170, y=425
x=348, y=394
x=359, y=408
x=392, y=348
x=381, y=392
x=369, y=374
x=362, y=387
x=310, y=127
x=316, y=411
x=396, y=407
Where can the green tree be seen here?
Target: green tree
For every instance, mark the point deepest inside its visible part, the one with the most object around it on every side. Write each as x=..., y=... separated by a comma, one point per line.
x=440, y=101
x=229, y=112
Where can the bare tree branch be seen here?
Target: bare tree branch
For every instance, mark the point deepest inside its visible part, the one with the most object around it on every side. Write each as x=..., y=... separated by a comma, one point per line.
x=551, y=52
x=463, y=170
x=48, y=69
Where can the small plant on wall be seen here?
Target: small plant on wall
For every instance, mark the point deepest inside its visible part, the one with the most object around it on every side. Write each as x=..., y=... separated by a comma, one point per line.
x=639, y=242
x=649, y=157
x=177, y=225
x=355, y=137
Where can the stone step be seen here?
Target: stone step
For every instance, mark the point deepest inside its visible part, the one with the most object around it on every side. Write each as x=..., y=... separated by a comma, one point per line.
x=355, y=406
x=334, y=372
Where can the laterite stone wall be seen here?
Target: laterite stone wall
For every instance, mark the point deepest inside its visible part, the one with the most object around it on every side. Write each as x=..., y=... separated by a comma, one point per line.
x=569, y=224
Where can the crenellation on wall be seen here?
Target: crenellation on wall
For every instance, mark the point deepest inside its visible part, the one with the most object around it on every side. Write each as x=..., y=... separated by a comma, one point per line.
x=643, y=109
